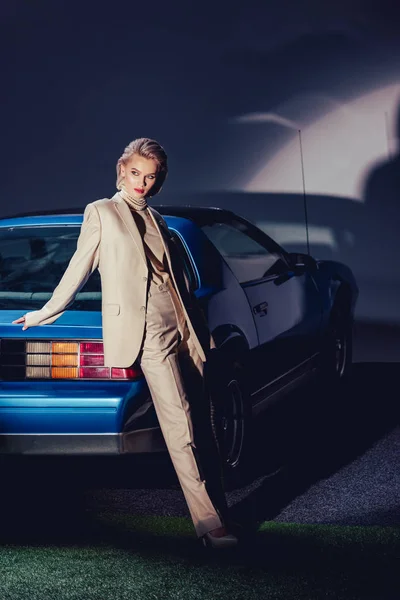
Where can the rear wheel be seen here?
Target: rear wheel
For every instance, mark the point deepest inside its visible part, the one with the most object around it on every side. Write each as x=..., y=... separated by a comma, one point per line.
x=339, y=352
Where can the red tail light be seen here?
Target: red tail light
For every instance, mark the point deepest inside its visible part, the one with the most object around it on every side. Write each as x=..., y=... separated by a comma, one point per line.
x=131, y=373
x=91, y=347
x=91, y=359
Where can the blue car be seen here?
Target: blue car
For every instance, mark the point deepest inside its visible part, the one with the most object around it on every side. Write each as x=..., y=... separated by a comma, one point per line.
x=278, y=319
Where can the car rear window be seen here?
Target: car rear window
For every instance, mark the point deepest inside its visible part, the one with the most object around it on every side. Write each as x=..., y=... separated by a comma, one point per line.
x=32, y=262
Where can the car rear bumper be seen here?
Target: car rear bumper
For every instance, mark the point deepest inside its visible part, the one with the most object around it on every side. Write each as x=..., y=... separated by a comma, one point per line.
x=140, y=441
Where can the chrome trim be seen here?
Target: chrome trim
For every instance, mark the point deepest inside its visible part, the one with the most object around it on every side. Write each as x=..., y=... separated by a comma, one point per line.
x=143, y=441
x=84, y=444
x=59, y=443
x=253, y=282
x=285, y=389
x=270, y=383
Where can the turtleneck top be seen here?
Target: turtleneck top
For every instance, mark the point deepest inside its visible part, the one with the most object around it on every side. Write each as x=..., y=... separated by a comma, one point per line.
x=135, y=203
x=152, y=243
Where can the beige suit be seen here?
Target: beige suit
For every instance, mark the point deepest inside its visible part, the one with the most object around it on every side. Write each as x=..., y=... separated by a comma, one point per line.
x=110, y=241
x=159, y=327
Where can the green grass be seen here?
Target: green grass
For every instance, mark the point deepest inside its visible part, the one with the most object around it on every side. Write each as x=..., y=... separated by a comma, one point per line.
x=120, y=556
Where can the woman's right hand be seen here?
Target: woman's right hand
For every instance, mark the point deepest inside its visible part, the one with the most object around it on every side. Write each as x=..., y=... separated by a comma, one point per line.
x=21, y=320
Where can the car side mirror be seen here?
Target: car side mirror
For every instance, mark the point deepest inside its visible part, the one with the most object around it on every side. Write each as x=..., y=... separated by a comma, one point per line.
x=302, y=262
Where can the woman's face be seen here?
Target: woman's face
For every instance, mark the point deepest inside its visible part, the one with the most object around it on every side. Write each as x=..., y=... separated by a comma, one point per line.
x=139, y=175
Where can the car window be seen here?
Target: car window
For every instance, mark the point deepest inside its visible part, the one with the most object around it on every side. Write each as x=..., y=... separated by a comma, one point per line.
x=247, y=257
x=32, y=262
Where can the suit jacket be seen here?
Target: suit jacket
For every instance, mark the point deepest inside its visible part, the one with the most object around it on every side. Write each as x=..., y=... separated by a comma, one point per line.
x=110, y=241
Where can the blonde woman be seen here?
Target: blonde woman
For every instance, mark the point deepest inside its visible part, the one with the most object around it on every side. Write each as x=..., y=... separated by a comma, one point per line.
x=148, y=317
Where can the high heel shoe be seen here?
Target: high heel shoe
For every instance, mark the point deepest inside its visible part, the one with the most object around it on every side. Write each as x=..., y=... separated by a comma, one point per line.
x=226, y=541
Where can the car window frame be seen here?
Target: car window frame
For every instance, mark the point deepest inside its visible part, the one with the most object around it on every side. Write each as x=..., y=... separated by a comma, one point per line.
x=184, y=252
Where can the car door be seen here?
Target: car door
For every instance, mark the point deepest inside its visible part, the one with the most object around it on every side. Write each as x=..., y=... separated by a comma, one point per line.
x=285, y=305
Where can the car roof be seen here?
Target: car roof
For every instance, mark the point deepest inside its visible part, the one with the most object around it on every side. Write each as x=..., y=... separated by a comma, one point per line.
x=199, y=214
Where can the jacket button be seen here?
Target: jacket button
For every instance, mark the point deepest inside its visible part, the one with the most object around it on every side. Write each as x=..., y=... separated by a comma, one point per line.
x=142, y=308
x=144, y=278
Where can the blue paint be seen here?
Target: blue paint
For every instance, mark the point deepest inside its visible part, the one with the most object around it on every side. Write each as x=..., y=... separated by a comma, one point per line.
x=67, y=406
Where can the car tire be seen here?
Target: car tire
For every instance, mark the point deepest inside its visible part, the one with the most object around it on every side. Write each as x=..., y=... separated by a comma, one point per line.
x=231, y=421
x=338, y=356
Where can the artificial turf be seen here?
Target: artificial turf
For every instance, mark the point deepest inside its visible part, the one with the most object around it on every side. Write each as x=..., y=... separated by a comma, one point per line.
x=122, y=556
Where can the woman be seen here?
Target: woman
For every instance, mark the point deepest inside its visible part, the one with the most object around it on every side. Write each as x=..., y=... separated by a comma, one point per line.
x=149, y=317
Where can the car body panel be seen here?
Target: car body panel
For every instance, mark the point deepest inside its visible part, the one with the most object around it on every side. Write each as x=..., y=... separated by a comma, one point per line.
x=66, y=406
x=289, y=324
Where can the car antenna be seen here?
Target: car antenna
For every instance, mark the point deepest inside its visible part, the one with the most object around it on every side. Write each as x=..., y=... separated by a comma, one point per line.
x=304, y=193
x=387, y=135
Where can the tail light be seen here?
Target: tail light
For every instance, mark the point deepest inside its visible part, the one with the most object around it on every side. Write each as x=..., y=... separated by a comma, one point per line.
x=22, y=359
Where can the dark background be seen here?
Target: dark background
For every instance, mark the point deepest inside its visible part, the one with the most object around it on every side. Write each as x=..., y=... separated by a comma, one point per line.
x=225, y=87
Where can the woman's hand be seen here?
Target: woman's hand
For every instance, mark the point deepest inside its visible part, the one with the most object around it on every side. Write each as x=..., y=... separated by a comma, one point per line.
x=21, y=320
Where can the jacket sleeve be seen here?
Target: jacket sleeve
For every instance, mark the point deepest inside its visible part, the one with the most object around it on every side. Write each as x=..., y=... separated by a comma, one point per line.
x=84, y=261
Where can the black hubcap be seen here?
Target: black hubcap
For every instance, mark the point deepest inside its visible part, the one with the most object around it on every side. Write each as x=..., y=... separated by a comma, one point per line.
x=232, y=424
x=340, y=351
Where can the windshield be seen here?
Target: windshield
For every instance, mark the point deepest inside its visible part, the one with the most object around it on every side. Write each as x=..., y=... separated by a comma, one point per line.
x=32, y=262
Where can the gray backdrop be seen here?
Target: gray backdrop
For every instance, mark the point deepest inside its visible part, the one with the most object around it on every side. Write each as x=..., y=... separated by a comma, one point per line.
x=230, y=89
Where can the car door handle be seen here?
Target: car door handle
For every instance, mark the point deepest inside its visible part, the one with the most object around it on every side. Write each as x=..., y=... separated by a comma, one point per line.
x=261, y=309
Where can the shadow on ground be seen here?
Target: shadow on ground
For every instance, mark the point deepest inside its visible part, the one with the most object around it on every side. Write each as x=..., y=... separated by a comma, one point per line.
x=315, y=433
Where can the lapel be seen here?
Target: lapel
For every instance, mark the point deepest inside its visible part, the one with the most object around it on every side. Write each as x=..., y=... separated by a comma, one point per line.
x=125, y=214
x=159, y=226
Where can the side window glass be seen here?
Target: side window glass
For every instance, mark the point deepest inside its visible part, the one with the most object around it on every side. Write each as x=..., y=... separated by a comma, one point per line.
x=248, y=259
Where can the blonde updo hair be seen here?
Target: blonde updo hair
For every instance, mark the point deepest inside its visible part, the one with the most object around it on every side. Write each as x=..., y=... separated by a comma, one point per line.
x=146, y=148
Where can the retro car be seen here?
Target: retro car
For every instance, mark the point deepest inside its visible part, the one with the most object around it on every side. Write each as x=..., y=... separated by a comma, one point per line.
x=278, y=319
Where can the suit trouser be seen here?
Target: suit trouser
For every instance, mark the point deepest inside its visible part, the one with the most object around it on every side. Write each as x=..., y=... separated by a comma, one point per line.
x=174, y=375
